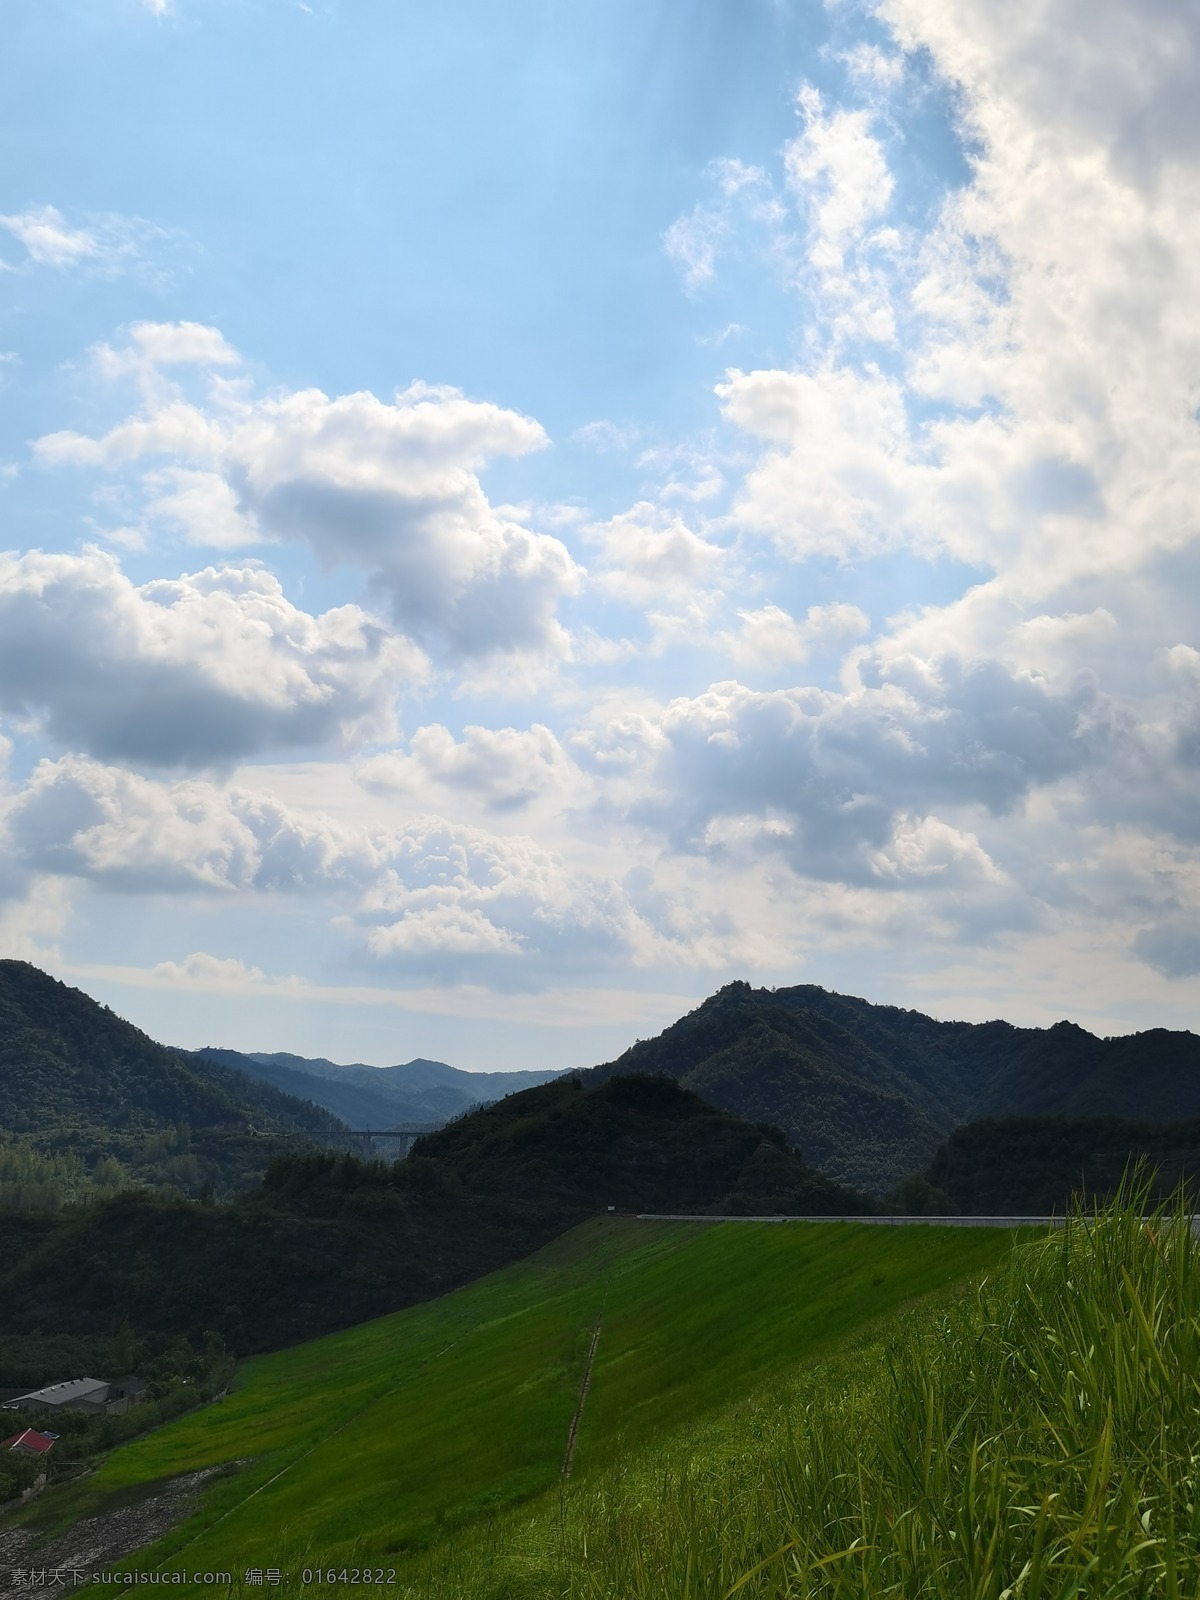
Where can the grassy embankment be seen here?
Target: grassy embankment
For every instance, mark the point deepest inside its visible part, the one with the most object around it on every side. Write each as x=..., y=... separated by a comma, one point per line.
x=1036, y=1440
x=389, y=1442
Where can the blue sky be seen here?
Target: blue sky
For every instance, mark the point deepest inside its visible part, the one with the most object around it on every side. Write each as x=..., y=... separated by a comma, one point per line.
x=516, y=516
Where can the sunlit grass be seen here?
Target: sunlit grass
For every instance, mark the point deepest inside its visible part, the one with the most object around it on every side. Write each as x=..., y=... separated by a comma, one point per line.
x=403, y=1436
x=1038, y=1439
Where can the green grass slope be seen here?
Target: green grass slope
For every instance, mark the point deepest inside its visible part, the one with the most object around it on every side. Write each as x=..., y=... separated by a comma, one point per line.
x=1033, y=1440
x=377, y=1445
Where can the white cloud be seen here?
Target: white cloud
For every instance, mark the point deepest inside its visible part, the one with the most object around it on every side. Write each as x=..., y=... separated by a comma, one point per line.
x=428, y=893
x=165, y=344
x=212, y=974
x=391, y=487
x=839, y=170
x=48, y=239
x=34, y=915
x=693, y=241
x=443, y=929
x=772, y=637
x=78, y=818
x=928, y=848
x=869, y=64
x=203, y=669
x=506, y=768
x=840, y=478
x=744, y=205
x=840, y=769
x=205, y=506
x=839, y=176
x=107, y=245
x=648, y=555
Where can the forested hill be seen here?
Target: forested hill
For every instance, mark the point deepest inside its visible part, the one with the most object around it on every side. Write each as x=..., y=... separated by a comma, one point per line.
x=867, y=1093
x=328, y=1240
x=74, y=1077
x=1032, y=1166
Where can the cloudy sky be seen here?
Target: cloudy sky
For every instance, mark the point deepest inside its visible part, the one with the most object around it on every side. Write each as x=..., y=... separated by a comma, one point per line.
x=516, y=515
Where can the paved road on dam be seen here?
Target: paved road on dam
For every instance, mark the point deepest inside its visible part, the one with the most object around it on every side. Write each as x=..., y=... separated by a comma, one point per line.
x=894, y=1222
x=885, y=1222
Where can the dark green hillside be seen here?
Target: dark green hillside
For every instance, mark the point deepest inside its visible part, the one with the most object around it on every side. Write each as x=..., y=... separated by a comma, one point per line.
x=867, y=1093
x=328, y=1241
x=1154, y=1076
x=844, y=1106
x=1032, y=1166
x=75, y=1078
x=635, y=1143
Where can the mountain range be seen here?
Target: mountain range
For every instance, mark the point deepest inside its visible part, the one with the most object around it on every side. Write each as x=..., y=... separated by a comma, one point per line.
x=418, y=1092
x=867, y=1093
x=78, y=1081
x=757, y=1101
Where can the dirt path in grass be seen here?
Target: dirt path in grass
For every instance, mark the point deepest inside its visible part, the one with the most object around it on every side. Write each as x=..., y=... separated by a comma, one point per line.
x=94, y=1544
x=583, y=1389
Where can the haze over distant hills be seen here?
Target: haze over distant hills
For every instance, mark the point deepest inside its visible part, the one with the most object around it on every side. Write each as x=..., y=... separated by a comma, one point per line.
x=867, y=1093
x=418, y=1091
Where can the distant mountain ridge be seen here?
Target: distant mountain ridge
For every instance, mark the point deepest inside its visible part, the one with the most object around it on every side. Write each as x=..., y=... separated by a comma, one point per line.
x=867, y=1093
x=75, y=1077
x=417, y=1092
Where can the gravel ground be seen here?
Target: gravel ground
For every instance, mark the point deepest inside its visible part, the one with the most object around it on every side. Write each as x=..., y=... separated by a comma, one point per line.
x=97, y=1543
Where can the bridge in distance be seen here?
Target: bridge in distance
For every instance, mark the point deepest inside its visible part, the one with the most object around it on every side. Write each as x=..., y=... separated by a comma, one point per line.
x=361, y=1141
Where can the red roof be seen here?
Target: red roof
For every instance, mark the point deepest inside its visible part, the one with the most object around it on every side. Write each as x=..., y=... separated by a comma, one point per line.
x=31, y=1440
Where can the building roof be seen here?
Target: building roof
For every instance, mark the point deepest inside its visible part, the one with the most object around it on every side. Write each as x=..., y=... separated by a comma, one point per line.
x=31, y=1440
x=62, y=1394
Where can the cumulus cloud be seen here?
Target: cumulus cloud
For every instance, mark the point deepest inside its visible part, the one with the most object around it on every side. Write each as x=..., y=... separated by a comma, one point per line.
x=443, y=930
x=649, y=555
x=840, y=475
x=449, y=889
x=839, y=169
x=833, y=772
x=772, y=637
x=839, y=176
x=80, y=818
x=507, y=769
x=391, y=487
x=204, y=669
x=423, y=895
x=35, y=912
x=199, y=970
x=1039, y=417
